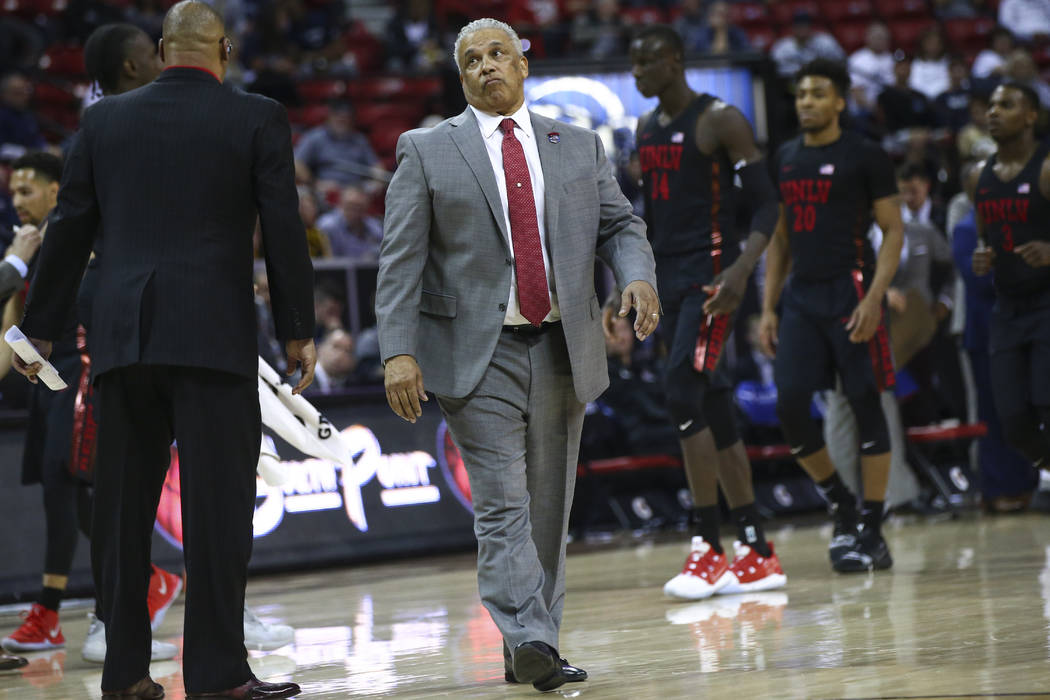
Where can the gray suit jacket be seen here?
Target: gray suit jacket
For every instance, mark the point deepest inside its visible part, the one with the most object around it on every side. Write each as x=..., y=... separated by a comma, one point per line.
x=445, y=266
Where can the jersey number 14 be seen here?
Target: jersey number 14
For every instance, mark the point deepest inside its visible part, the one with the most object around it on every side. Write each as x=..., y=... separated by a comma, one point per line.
x=661, y=191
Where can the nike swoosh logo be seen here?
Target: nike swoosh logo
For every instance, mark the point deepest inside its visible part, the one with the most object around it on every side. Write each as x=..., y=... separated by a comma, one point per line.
x=163, y=586
x=684, y=426
x=866, y=445
x=796, y=450
x=56, y=630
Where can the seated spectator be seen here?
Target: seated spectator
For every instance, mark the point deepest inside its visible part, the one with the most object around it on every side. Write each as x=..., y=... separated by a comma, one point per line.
x=329, y=308
x=316, y=239
x=953, y=105
x=803, y=45
x=929, y=70
x=713, y=34
x=991, y=61
x=19, y=131
x=953, y=9
x=1021, y=68
x=335, y=154
x=412, y=38
x=900, y=105
x=601, y=32
x=917, y=206
x=974, y=142
x=336, y=363
x=269, y=347
x=351, y=232
x=1027, y=19
x=871, y=68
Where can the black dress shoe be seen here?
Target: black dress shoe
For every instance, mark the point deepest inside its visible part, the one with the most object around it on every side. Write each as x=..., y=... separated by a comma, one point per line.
x=254, y=689
x=573, y=674
x=145, y=689
x=538, y=663
x=11, y=663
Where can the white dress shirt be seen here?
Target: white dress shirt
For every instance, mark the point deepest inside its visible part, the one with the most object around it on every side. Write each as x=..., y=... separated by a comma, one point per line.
x=493, y=137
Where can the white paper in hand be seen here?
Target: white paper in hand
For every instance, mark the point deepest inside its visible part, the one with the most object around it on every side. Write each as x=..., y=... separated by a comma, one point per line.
x=24, y=349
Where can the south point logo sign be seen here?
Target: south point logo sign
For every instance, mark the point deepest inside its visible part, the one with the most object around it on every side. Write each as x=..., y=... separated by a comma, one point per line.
x=316, y=485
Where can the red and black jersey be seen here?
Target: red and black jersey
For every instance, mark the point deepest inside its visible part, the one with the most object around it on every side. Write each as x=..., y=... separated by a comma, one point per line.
x=1015, y=212
x=828, y=193
x=690, y=202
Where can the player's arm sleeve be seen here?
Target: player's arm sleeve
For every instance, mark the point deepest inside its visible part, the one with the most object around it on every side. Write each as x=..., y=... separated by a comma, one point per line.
x=67, y=246
x=288, y=265
x=738, y=139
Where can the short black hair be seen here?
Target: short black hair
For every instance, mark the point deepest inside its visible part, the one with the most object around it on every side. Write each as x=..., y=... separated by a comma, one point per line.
x=105, y=52
x=1030, y=95
x=665, y=33
x=46, y=165
x=912, y=170
x=835, y=71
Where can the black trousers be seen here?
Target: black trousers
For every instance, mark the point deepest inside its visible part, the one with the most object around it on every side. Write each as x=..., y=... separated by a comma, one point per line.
x=214, y=419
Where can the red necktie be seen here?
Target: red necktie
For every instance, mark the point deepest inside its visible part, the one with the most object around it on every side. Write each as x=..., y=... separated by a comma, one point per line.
x=533, y=297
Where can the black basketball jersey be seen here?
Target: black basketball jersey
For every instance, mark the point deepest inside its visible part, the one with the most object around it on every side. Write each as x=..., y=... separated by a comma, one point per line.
x=1015, y=212
x=690, y=202
x=828, y=192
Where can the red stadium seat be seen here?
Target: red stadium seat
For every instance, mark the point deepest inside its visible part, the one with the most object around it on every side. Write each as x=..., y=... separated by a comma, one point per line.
x=46, y=93
x=367, y=50
x=1041, y=55
x=832, y=11
x=784, y=11
x=850, y=35
x=748, y=14
x=385, y=134
x=309, y=116
x=969, y=34
x=761, y=37
x=906, y=32
x=892, y=9
x=48, y=8
x=63, y=60
x=380, y=88
x=643, y=15
x=371, y=115
x=321, y=90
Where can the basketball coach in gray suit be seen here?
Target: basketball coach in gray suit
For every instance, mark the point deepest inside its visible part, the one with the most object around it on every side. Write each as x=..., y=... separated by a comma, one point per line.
x=486, y=291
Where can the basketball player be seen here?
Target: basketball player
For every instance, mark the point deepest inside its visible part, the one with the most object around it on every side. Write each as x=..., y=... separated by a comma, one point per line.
x=1012, y=200
x=691, y=149
x=831, y=319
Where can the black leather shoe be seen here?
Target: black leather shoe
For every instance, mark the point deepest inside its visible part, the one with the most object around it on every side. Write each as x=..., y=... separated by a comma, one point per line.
x=538, y=663
x=11, y=663
x=145, y=689
x=254, y=689
x=573, y=674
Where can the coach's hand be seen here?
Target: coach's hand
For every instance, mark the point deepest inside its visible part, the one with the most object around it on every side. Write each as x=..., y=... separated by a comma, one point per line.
x=726, y=290
x=301, y=353
x=641, y=296
x=767, y=333
x=982, y=260
x=404, y=387
x=864, y=320
x=30, y=371
x=1035, y=253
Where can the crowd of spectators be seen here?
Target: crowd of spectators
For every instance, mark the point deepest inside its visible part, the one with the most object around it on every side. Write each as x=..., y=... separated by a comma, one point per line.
x=922, y=74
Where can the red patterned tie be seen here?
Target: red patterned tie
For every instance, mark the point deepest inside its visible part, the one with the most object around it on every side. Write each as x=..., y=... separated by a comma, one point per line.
x=533, y=297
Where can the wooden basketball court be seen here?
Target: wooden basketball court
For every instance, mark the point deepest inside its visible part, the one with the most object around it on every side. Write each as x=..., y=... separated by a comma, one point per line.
x=965, y=612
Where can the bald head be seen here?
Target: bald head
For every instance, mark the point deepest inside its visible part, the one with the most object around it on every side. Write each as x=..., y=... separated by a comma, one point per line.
x=195, y=34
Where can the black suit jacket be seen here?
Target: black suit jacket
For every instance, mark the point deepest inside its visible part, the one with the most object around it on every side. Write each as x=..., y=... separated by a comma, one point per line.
x=172, y=176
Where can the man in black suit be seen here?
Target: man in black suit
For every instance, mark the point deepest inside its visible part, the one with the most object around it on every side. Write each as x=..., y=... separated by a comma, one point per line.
x=184, y=165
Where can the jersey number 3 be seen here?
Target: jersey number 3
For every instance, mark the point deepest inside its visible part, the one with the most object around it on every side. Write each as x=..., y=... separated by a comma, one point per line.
x=805, y=217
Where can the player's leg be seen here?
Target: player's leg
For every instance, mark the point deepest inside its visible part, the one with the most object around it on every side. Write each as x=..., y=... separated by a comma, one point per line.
x=755, y=565
x=866, y=371
x=1014, y=383
x=706, y=569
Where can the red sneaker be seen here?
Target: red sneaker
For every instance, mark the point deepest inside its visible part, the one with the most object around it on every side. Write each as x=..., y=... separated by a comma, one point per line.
x=705, y=573
x=39, y=632
x=164, y=588
x=752, y=572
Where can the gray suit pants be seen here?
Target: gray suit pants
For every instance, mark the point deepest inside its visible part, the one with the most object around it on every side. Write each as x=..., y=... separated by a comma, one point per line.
x=519, y=435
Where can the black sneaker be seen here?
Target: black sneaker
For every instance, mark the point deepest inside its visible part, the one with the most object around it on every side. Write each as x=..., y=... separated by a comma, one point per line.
x=870, y=553
x=843, y=539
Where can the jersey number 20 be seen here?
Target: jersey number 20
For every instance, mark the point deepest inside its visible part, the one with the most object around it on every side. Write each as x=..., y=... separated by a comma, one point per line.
x=805, y=217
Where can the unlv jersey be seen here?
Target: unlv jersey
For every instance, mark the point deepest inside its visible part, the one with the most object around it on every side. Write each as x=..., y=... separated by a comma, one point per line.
x=1015, y=212
x=690, y=202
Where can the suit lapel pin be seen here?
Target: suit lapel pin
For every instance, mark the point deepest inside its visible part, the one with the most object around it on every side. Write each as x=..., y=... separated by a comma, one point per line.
x=554, y=137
